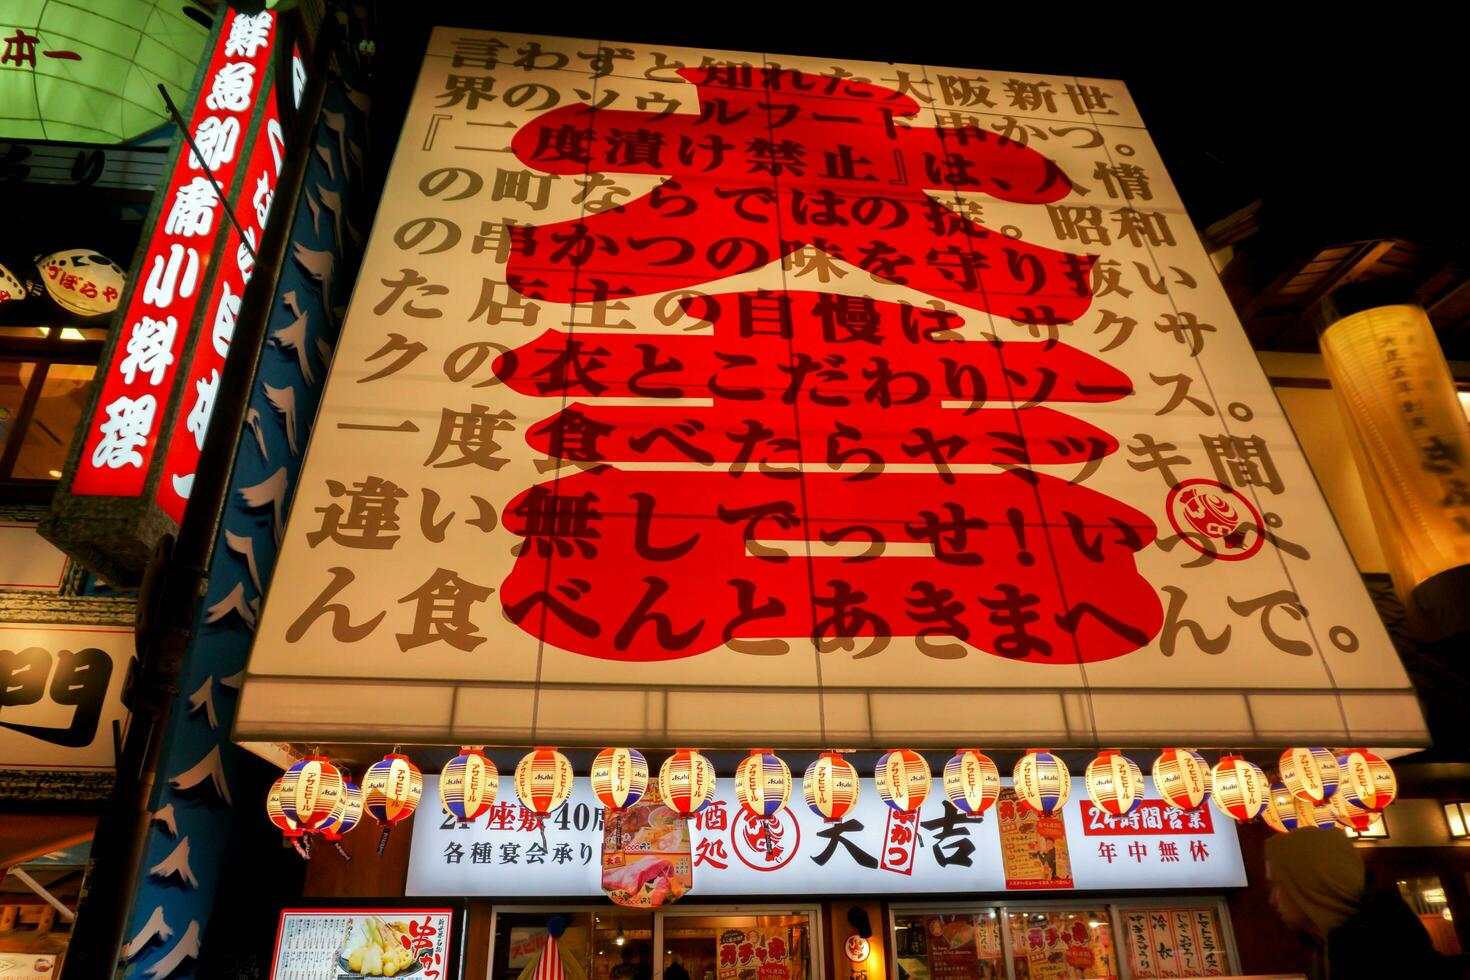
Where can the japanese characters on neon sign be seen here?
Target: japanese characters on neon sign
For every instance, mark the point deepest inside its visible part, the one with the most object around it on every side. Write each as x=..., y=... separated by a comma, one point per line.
x=686, y=369
x=139, y=383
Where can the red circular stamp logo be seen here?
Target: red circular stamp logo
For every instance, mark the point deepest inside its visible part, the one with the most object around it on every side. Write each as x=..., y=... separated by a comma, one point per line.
x=765, y=843
x=1215, y=519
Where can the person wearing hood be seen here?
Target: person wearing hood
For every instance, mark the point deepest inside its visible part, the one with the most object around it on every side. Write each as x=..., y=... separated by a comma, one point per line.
x=1318, y=887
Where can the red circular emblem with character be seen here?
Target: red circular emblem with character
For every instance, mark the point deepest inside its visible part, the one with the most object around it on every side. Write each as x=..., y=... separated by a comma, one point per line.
x=765, y=843
x=1215, y=519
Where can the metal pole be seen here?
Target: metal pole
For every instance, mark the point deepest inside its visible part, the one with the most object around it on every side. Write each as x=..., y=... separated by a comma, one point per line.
x=95, y=950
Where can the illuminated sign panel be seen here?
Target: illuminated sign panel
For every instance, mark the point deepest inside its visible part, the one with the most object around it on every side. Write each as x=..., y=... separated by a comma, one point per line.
x=692, y=397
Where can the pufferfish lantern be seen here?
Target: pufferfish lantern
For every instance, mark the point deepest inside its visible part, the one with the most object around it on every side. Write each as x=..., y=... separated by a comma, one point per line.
x=1182, y=778
x=830, y=787
x=619, y=778
x=1042, y=781
x=291, y=832
x=1239, y=788
x=1367, y=780
x=468, y=785
x=391, y=791
x=82, y=282
x=1311, y=774
x=971, y=781
x=543, y=781
x=902, y=778
x=1114, y=783
x=686, y=782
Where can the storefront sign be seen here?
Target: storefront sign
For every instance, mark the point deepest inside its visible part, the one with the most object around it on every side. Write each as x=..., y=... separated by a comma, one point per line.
x=736, y=402
x=873, y=851
x=157, y=381
x=343, y=943
x=60, y=694
x=856, y=949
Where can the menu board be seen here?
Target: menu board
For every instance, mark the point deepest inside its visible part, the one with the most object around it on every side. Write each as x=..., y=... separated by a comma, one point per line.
x=344, y=944
x=1033, y=847
x=645, y=854
x=1174, y=943
x=755, y=954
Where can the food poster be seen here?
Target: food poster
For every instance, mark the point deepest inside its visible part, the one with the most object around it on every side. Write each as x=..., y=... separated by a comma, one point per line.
x=756, y=954
x=1033, y=848
x=1061, y=946
x=963, y=947
x=645, y=854
x=28, y=966
x=338, y=944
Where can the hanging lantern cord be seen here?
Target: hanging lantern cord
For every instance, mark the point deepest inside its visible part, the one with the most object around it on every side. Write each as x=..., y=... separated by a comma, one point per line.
x=304, y=846
x=383, y=839
x=766, y=831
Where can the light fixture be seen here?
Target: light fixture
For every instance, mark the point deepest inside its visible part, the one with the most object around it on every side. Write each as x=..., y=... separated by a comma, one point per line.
x=619, y=939
x=1457, y=815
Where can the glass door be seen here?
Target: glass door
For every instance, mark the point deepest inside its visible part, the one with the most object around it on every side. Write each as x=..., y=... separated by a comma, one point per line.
x=738, y=943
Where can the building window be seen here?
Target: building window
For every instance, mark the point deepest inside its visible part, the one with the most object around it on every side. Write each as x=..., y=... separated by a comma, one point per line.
x=45, y=376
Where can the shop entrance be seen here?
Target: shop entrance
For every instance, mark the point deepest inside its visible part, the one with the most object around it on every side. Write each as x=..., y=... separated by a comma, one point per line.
x=688, y=943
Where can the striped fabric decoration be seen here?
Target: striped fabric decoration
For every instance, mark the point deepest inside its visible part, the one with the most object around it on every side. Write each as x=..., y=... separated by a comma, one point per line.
x=543, y=780
x=762, y=783
x=1182, y=778
x=1042, y=781
x=686, y=781
x=971, y=781
x=468, y=785
x=903, y=779
x=1310, y=774
x=310, y=790
x=830, y=787
x=619, y=777
x=1114, y=783
x=549, y=967
x=1239, y=788
x=1367, y=780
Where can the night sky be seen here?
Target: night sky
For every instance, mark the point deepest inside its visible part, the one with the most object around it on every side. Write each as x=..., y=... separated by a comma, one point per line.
x=1354, y=134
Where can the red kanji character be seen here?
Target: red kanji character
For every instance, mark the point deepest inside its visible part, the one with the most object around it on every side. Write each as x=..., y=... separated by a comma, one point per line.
x=796, y=165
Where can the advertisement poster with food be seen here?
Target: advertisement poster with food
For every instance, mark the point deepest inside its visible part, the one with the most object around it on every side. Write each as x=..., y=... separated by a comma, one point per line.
x=344, y=944
x=953, y=954
x=753, y=954
x=1033, y=848
x=645, y=855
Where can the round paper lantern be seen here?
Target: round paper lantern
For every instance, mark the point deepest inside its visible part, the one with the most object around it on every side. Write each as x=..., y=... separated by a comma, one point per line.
x=1042, y=781
x=347, y=813
x=1114, y=783
x=971, y=781
x=81, y=281
x=1352, y=815
x=1367, y=781
x=1239, y=788
x=1284, y=812
x=762, y=783
x=468, y=785
x=686, y=781
x=310, y=791
x=619, y=778
x=391, y=791
x=1181, y=778
x=290, y=830
x=543, y=780
x=830, y=787
x=903, y=779
x=1311, y=774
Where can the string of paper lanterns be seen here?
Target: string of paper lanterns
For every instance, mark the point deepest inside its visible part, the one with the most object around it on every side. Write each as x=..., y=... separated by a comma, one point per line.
x=1314, y=787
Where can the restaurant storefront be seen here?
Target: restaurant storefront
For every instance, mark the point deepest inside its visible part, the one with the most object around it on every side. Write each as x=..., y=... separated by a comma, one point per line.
x=691, y=399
